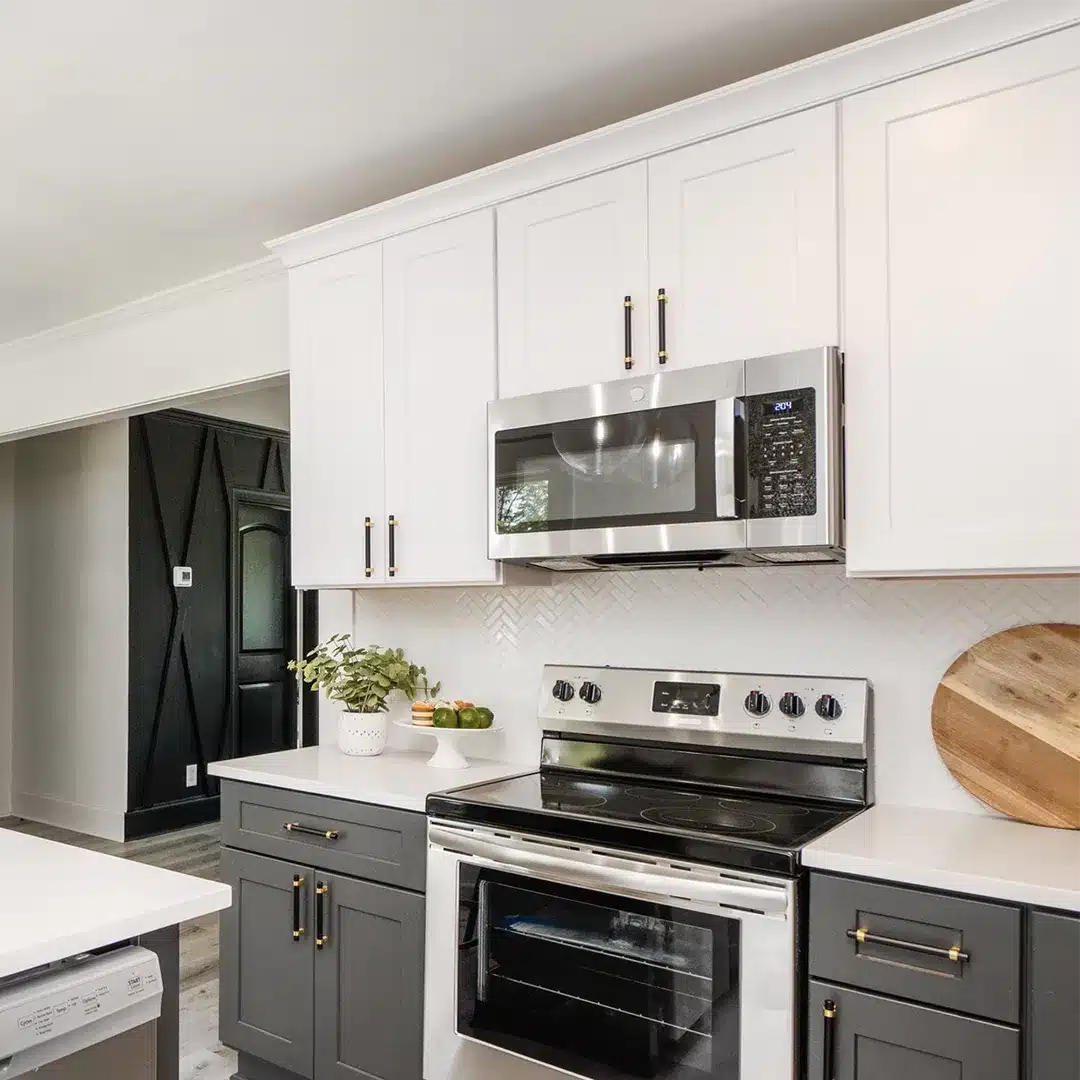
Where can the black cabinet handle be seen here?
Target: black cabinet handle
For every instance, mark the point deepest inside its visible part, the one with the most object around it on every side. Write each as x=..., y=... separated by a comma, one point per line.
x=307, y=830
x=863, y=937
x=628, y=332
x=661, y=325
x=322, y=936
x=367, y=547
x=297, y=888
x=392, y=568
x=828, y=1039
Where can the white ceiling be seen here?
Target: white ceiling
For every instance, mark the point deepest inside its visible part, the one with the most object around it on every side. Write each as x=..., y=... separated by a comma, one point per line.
x=146, y=143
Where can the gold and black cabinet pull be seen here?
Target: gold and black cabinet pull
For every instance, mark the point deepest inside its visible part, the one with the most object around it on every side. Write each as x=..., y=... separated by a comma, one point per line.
x=367, y=547
x=322, y=934
x=628, y=333
x=392, y=568
x=828, y=1039
x=297, y=888
x=661, y=325
x=864, y=937
x=307, y=830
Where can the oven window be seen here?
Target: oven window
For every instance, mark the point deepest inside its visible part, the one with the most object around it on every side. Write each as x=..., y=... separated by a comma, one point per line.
x=600, y=986
x=652, y=467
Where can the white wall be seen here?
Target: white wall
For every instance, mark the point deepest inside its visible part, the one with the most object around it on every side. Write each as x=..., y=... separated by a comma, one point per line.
x=488, y=645
x=268, y=407
x=210, y=335
x=71, y=611
x=7, y=610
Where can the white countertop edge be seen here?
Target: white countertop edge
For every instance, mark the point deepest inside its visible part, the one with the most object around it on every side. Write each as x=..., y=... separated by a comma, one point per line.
x=398, y=779
x=50, y=947
x=973, y=885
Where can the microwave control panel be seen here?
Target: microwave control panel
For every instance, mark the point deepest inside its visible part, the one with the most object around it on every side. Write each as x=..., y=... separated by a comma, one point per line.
x=781, y=450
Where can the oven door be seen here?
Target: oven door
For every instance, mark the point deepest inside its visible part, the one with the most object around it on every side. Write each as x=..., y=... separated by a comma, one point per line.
x=631, y=467
x=546, y=959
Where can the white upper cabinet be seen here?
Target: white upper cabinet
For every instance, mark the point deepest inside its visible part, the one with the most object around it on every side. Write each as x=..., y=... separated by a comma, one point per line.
x=743, y=242
x=962, y=316
x=336, y=351
x=568, y=257
x=439, y=333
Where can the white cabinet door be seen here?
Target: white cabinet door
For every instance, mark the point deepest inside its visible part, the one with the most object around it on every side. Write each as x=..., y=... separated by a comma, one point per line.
x=743, y=241
x=568, y=257
x=440, y=374
x=336, y=383
x=962, y=316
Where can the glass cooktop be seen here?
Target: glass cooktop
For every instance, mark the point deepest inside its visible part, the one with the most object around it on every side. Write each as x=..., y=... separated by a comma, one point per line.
x=715, y=826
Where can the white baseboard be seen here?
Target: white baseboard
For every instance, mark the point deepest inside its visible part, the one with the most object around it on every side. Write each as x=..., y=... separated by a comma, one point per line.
x=49, y=810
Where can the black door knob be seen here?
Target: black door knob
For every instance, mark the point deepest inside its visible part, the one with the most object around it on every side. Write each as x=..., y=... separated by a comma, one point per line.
x=828, y=708
x=589, y=693
x=756, y=703
x=562, y=690
x=792, y=705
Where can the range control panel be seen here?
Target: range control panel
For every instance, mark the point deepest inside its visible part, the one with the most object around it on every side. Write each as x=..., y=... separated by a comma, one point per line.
x=825, y=714
x=781, y=453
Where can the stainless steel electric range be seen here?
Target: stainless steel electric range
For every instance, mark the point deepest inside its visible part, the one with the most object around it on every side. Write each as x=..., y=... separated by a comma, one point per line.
x=635, y=907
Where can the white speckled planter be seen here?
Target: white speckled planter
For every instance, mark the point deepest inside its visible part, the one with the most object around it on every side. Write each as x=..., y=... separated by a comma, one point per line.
x=362, y=734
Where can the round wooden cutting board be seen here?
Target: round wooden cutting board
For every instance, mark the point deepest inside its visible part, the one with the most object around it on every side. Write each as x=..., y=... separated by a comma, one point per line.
x=1006, y=720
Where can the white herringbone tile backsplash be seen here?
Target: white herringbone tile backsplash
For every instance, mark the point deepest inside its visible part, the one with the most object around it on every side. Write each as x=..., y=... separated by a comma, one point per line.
x=489, y=644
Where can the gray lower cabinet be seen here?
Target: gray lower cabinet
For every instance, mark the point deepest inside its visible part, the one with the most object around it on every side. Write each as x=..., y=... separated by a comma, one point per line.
x=321, y=974
x=879, y=1038
x=1054, y=996
x=369, y=978
x=267, y=973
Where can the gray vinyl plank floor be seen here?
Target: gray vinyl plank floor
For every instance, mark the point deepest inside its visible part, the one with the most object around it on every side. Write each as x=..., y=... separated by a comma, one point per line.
x=195, y=851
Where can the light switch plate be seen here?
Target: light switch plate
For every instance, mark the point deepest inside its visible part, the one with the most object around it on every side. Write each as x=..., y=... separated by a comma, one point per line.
x=181, y=577
x=192, y=775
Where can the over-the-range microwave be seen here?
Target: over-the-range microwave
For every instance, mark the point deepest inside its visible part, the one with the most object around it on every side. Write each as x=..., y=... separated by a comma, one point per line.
x=737, y=463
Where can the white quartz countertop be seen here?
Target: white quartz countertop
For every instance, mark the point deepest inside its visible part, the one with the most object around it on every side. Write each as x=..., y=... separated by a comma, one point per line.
x=398, y=778
x=965, y=853
x=59, y=901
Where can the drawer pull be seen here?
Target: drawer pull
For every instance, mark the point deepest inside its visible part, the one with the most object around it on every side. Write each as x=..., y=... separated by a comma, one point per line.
x=864, y=937
x=307, y=830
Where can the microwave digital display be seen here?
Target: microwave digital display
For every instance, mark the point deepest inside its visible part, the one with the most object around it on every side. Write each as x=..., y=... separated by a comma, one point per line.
x=783, y=408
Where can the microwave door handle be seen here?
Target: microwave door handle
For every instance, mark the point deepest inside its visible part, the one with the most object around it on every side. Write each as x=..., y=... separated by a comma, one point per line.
x=662, y=886
x=725, y=457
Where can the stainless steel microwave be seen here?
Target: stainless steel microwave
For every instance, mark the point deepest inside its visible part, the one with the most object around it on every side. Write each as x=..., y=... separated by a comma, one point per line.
x=736, y=464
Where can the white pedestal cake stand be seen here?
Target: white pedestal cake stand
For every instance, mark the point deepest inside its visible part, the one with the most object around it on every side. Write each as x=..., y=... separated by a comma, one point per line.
x=448, y=754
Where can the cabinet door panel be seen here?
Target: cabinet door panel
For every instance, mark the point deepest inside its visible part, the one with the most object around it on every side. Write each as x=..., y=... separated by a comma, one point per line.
x=962, y=326
x=267, y=987
x=440, y=374
x=879, y=1038
x=369, y=983
x=567, y=258
x=743, y=239
x=1054, y=997
x=335, y=312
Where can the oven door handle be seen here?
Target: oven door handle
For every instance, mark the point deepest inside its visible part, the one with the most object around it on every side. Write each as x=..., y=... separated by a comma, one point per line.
x=664, y=887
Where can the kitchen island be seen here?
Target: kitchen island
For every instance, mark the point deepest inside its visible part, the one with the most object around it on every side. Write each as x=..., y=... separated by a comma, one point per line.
x=65, y=901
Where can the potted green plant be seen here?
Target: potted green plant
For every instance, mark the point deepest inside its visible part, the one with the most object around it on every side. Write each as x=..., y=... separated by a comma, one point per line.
x=361, y=680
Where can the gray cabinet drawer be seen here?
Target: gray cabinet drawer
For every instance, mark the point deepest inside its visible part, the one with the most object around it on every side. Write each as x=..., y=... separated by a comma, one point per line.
x=987, y=984
x=372, y=842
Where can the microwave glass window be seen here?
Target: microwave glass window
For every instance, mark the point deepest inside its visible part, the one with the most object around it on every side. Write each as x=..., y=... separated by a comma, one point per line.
x=597, y=985
x=656, y=466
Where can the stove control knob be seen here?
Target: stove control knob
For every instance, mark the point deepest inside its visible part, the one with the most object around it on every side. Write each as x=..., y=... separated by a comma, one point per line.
x=828, y=708
x=792, y=705
x=562, y=690
x=589, y=693
x=756, y=703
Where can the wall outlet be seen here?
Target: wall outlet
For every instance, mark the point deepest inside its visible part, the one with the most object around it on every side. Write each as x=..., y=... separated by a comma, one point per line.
x=182, y=577
x=192, y=775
